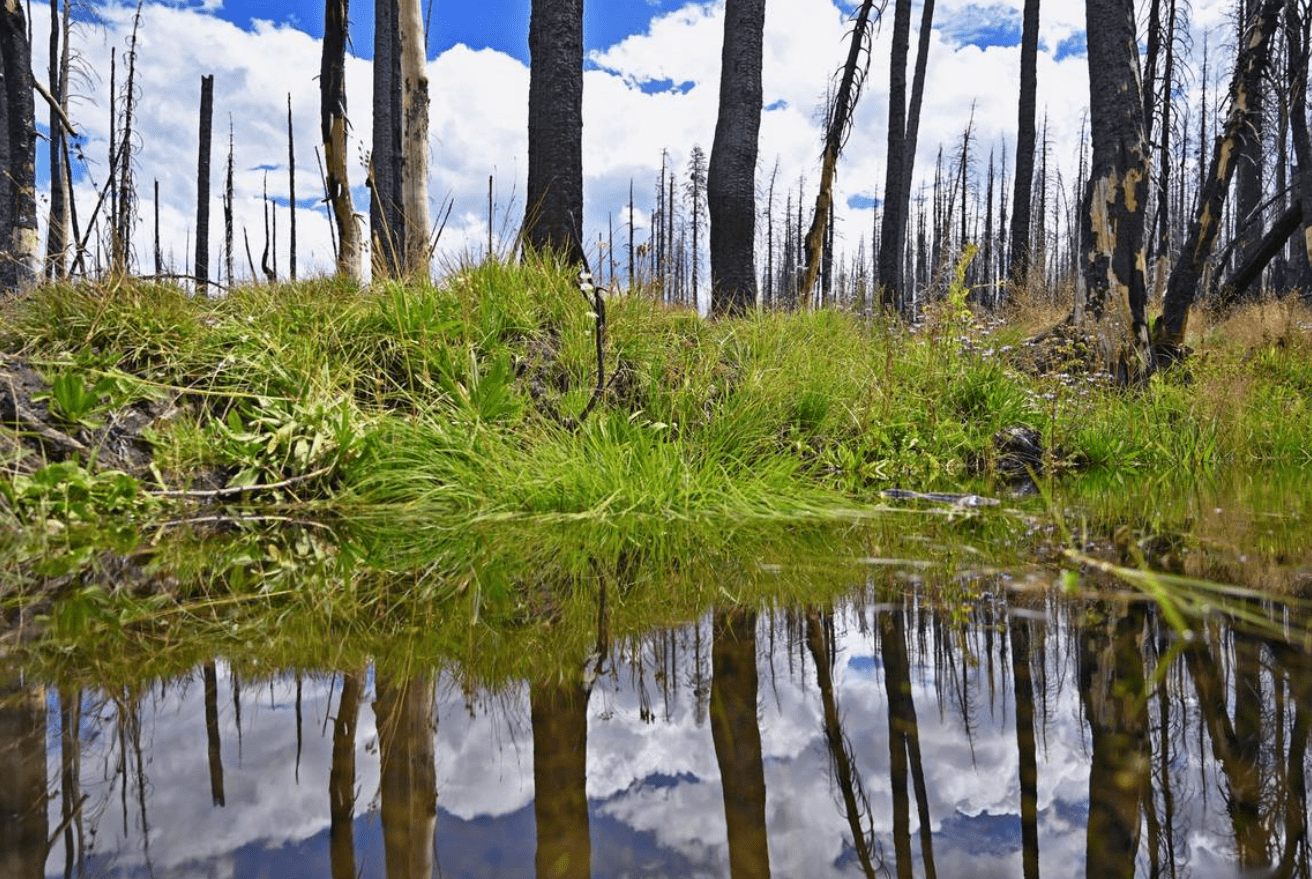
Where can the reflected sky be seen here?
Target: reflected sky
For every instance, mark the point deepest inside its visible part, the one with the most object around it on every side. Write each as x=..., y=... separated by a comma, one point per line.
x=655, y=783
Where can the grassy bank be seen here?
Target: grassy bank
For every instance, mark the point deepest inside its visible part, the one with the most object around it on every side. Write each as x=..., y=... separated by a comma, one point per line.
x=428, y=422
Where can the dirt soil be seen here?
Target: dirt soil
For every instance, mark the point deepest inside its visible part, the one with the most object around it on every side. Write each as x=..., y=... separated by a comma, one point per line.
x=31, y=436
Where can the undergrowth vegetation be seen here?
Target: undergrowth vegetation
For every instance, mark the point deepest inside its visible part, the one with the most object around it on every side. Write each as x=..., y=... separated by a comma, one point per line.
x=425, y=421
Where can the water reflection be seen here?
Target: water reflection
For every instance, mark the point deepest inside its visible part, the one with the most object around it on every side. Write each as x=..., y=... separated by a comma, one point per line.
x=1020, y=739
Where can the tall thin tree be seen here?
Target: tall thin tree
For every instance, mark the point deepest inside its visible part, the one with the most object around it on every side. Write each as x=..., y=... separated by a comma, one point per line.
x=731, y=180
x=20, y=250
x=838, y=123
x=386, y=218
x=333, y=124
x=554, y=211
x=1019, y=266
x=414, y=139
x=202, y=269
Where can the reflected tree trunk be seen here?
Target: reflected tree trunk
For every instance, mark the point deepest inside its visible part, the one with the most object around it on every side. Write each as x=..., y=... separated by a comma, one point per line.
x=1298, y=667
x=1112, y=690
x=560, y=773
x=1019, y=631
x=737, y=738
x=24, y=825
x=850, y=788
x=341, y=781
x=215, y=746
x=407, y=725
x=1232, y=745
x=70, y=774
x=904, y=746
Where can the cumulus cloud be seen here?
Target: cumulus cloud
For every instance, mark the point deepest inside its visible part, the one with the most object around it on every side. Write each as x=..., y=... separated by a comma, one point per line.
x=647, y=96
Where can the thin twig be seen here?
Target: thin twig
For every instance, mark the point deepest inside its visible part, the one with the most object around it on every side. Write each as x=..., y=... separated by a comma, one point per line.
x=239, y=489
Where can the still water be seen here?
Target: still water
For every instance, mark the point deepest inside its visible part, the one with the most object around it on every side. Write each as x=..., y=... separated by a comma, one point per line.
x=1028, y=735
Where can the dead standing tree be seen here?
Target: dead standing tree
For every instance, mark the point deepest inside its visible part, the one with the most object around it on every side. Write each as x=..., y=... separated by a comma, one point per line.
x=20, y=244
x=202, y=270
x=837, y=127
x=333, y=126
x=554, y=213
x=1112, y=214
x=398, y=215
x=414, y=140
x=731, y=178
x=1168, y=332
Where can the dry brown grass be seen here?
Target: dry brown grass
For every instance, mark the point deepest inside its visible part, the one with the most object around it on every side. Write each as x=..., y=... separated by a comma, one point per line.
x=1285, y=322
x=1036, y=307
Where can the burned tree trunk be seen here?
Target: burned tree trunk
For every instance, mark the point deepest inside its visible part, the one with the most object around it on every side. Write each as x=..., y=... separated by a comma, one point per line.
x=837, y=127
x=1112, y=214
x=554, y=213
x=1019, y=267
x=60, y=215
x=333, y=125
x=1297, y=34
x=202, y=270
x=20, y=249
x=386, y=219
x=731, y=180
x=1168, y=332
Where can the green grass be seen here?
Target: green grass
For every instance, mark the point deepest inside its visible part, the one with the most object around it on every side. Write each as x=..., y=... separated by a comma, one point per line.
x=432, y=424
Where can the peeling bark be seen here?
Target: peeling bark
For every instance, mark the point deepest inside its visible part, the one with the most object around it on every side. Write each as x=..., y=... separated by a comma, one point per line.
x=414, y=140
x=1181, y=290
x=1112, y=215
x=333, y=126
x=21, y=249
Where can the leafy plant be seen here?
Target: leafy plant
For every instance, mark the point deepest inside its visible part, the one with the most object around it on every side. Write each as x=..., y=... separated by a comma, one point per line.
x=75, y=403
x=272, y=439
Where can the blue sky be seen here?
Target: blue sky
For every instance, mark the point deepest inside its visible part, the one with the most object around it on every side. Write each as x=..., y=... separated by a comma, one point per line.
x=459, y=21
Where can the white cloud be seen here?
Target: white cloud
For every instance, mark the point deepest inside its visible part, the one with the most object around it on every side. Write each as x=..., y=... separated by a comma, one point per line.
x=650, y=92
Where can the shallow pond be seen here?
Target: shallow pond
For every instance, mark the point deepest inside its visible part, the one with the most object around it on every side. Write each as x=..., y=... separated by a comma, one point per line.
x=884, y=732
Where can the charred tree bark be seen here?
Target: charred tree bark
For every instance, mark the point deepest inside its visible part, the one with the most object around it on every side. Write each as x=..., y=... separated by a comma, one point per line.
x=386, y=218
x=60, y=214
x=1181, y=290
x=903, y=123
x=554, y=217
x=1112, y=214
x=1019, y=264
x=1249, y=166
x=333, y=126
x=837, y=127
x=1297, y=34
x=291, y=189
x=731, y=179
x=20, y=254
x=202, y=269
